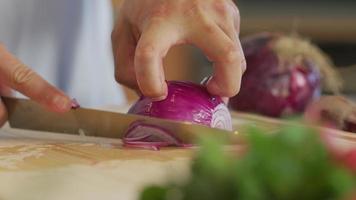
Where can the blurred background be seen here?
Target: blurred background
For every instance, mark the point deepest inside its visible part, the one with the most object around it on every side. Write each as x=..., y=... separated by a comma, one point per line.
x=329, y=23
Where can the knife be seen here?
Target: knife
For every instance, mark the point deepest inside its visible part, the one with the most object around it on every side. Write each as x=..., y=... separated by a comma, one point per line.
x=27, y=114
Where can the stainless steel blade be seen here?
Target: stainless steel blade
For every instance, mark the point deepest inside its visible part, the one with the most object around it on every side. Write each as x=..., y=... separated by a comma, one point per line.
x=26, y=114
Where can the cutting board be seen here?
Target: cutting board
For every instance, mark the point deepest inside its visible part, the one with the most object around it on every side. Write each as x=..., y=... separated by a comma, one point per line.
x=39, y=165
x=57, y=167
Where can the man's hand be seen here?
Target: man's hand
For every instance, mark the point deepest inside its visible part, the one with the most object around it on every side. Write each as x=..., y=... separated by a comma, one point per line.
x=15, y=75
x=146, y=30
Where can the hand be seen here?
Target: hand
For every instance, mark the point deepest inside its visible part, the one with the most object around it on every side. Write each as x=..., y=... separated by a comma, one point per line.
x=146, y=30
x=15, y=75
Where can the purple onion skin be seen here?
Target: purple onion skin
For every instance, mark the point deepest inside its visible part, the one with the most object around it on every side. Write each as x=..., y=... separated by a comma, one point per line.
x=185, y=101
x=271, y=90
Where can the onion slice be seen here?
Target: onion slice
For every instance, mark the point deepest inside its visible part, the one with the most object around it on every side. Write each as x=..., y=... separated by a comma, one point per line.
x=148, y=136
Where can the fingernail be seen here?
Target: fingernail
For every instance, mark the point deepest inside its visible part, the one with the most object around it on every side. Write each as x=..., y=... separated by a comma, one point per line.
x=62, y=103
x=206, y=80
x=159, y=98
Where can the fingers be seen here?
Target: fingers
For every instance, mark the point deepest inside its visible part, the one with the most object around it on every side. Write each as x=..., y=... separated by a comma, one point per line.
x=227, y=56
x=230, y=25
x=232, y=31
x=16, y=75
x=213, y=26
x=124, y=45
x=154, y=43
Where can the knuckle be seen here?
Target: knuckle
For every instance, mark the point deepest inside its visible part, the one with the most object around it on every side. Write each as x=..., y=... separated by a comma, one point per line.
x=207, y=27
x=155, y=21
x=21, y=75
x=145, y=52
x=162, y=10
x=226, y=10
x=230, y=54
x=194, y=8
x=222, y=8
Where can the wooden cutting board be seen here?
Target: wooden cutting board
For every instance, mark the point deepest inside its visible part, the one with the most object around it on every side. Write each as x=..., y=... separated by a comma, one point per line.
x=39, y=165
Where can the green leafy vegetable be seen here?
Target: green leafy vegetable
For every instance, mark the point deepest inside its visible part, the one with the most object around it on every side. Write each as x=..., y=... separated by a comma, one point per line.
x=291, y=164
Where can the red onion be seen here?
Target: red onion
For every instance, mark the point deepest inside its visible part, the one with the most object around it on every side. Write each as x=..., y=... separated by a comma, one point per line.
x=186, y=102
x=283, y=75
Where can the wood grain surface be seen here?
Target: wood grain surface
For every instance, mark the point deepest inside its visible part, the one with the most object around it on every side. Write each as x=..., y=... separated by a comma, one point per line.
x=55, y=166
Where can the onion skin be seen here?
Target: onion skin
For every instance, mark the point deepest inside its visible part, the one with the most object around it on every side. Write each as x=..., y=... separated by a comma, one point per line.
x=275, y=83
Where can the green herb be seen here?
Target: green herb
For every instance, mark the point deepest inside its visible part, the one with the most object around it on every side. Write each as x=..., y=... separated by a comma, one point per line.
x=291, y=164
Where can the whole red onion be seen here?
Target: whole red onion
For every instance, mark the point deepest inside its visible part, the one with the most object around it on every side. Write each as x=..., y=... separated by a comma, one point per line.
x=283, y=75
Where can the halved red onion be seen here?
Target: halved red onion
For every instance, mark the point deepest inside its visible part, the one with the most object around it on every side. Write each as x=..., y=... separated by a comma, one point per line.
x=186, y=102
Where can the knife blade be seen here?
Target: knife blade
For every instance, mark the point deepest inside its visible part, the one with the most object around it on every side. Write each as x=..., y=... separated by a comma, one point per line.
x=27, y=114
